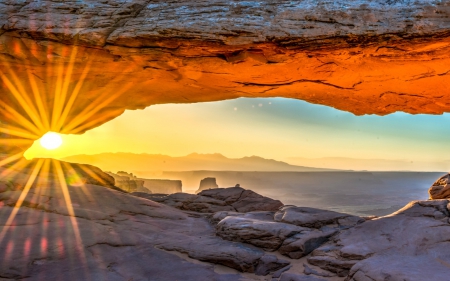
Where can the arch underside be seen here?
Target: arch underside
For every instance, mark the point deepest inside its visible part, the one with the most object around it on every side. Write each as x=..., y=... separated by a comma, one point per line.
x=71, y=68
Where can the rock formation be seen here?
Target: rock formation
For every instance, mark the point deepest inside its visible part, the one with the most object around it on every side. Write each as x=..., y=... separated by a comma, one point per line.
x=207, y=183
x=293, y=231
x=361, y=56
x=162, y=186
x=395, y=247
x=129, y=182
x=235, y=199
x=91, y=232
x=441, y=188
x=75, y=174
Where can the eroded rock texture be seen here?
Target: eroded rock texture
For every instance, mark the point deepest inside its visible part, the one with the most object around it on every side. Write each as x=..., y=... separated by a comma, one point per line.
x=234, y=199
x=360, y=56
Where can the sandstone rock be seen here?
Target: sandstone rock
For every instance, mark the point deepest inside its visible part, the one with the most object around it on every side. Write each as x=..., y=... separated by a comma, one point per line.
x=207, y=183
x=301, y=244
x=229, y=195
x=3, y=187
x=110, y=235
x=231, y=254
x=278, y=273
x=270, y=263
x=414, y=237
x=263, y=234
x=217, y=200
x=309, y=271
x=441, y=188
x=162, y=186
x=315, y=218
x=270, y=49
x=75, y=174
x=128, y=183
x=252, y=201
x=243, y=200
x=297, y=277
x=261, y=215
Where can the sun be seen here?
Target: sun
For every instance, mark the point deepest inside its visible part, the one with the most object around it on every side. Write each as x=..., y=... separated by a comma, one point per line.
x=51, y=141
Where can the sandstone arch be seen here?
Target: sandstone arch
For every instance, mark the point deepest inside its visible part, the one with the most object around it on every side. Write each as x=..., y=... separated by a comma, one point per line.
x=365, y=57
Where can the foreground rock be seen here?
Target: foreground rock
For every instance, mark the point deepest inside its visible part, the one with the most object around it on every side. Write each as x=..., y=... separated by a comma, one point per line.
x=90, y=232
x=293, y=231
x=411, y=244
x=441, y=188
x=315, y=218
x=102, y=234
x=234, y=199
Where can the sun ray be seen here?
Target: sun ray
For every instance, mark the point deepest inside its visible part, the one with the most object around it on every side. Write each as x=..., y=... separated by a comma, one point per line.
x=9, y=142
x=86, y=125
x=94, y=108
x=39, y=101
x=10, y=159
x=22, y=197
x=21, y=119
x=57, y=96
x=59, y=107
x=33, y=113
x=69, y=168
x=12, y=131
x=69, y=105
x=19, y=164
x=22, y=98
x=70, y=210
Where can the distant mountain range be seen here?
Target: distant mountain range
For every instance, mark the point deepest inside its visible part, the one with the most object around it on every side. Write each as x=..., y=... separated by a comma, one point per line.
x=372, y=164
x=131, y=162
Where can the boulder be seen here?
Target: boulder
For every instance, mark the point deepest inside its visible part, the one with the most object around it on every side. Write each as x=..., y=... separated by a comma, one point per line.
x=315, y=218
x=243, y=200
x=441, y=188
x=229, y=195
x=235, y=255
x=270, y=263
x=263, y=234
x=233, y=199
x=304, y=243
x=252, y=201
x=410, y=244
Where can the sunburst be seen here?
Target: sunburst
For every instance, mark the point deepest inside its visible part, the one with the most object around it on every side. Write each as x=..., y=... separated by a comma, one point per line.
x=30, y=114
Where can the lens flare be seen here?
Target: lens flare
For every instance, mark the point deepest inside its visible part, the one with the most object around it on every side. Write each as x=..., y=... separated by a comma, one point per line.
x=51, y=141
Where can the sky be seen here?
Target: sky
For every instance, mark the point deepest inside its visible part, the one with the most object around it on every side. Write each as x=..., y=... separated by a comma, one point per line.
x=275, y=128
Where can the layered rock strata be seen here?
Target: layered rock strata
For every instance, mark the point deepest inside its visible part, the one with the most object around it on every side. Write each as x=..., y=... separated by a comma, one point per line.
x=302, y=231
x=234, y=199
x=441, y=188
x=366, y=57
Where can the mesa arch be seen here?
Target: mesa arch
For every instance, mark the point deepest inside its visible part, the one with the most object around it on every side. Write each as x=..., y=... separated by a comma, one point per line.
x=98, y=58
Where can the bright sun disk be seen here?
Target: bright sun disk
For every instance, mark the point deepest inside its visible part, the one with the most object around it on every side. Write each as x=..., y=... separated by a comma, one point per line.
x=51, y=141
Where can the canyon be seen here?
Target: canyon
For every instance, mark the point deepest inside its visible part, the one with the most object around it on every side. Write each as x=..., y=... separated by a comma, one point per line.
x=70, y=66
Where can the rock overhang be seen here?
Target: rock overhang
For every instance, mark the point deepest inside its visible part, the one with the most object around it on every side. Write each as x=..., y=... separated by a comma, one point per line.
x=365, y=57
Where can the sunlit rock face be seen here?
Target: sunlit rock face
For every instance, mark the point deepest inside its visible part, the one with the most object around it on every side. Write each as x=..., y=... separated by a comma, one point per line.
x=88, y=61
